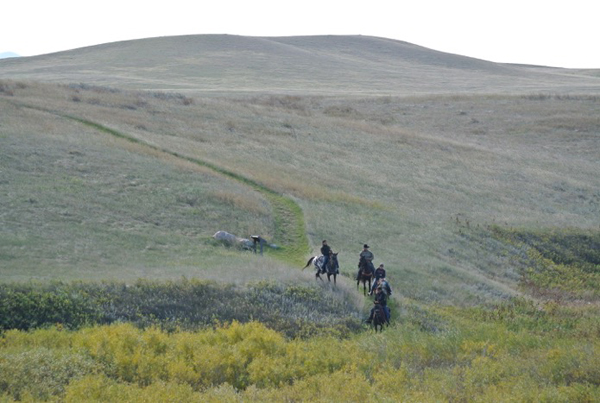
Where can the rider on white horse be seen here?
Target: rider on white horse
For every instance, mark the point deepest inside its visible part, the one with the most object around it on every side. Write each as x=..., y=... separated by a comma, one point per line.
x=325, y=251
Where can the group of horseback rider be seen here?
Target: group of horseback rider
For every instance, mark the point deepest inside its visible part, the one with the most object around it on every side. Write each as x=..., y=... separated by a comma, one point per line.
x=380, y=287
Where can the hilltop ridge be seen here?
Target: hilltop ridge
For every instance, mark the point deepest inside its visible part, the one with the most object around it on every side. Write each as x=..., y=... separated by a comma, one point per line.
x=336, y=65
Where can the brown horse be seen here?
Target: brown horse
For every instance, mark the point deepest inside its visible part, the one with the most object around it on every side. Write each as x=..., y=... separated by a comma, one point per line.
x=365, y=275
x=379, y=318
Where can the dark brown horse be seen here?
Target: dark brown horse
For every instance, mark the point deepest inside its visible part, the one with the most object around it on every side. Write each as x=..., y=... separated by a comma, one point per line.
x=365, y=275
x=379, y=318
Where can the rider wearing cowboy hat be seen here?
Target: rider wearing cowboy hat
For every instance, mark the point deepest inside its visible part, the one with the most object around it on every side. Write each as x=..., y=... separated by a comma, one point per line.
x=368, y=256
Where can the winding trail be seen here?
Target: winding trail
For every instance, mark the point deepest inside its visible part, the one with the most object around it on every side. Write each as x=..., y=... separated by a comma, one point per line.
x=290, y=227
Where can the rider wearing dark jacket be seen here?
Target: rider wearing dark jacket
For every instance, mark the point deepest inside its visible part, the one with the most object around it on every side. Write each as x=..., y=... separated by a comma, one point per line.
x=325, y=251
x=368, y=256
x=379, y=274
x=381, y=299
x=385, y=286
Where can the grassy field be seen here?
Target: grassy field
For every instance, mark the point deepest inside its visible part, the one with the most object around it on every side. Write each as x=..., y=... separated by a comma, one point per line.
x=408, y=176
x=481, y=197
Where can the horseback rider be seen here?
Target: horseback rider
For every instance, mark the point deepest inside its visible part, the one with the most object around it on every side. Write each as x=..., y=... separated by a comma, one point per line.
x=379, y=274
x=385, y=285
x=326, y=252
x=368, y=257
x=381, y=299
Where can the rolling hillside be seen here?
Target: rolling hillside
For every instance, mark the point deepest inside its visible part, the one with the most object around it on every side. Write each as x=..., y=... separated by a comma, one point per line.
x=475, y=183
x=325, y=65
x=462, y=145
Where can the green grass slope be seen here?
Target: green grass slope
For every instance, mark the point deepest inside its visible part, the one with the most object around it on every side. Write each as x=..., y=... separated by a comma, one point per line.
x=410, y=176
x=79, y=204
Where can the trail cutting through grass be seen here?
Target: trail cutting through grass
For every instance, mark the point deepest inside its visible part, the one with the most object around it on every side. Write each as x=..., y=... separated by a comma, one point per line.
x=290, y=228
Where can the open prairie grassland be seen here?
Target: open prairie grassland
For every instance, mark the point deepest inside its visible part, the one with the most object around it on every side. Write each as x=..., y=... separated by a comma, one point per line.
x=483, y=206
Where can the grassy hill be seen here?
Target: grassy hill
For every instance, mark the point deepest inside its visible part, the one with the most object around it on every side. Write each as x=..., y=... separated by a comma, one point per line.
x=324, y=65
x=402, y=174
x=475, y=183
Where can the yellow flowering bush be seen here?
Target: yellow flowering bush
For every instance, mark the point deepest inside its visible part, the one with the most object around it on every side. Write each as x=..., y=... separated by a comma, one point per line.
x=476, y=356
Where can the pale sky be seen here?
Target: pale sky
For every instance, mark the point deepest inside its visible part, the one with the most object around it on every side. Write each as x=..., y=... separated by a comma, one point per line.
x=545, y=32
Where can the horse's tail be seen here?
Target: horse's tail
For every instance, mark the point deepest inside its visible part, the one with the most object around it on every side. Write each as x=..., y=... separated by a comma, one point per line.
x=309, y=262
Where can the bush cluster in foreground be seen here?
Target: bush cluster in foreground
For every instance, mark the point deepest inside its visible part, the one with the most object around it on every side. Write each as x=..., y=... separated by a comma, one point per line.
x=506, y=354
x=295, y=310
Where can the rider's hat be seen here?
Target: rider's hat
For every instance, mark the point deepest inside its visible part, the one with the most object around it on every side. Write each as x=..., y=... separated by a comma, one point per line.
x=366, y=246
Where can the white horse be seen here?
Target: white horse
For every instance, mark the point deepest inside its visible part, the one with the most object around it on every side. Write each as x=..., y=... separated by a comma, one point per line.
x=332, y=268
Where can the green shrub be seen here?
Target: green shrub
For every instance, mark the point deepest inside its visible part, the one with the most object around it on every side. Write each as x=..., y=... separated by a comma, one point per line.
x=24, y=307
x=558, y=264
x=190, y=304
